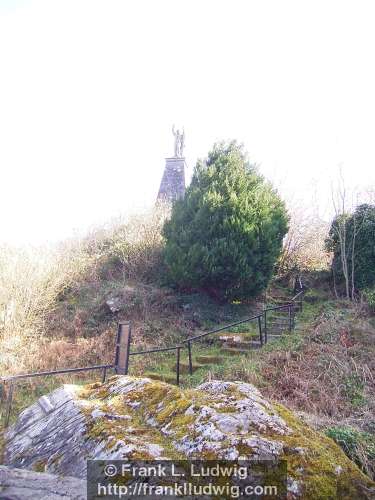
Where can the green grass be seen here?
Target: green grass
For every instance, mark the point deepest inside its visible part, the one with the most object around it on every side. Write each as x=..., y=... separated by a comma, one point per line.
x=286, y=342
x=165, y=365
x=227, y=365
x=223, y=365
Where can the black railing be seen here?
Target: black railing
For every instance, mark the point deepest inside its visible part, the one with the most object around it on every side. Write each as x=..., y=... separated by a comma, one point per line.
x=122, y=353
x=189, y=341
x=176, y=348
x=120, y=366
x=11, y=380
x=262, y=329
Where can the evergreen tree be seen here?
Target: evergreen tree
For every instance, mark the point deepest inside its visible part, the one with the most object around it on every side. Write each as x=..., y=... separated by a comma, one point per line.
x=226, y=235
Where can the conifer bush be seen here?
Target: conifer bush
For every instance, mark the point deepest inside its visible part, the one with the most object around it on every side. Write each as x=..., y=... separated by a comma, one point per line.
x=226, y=235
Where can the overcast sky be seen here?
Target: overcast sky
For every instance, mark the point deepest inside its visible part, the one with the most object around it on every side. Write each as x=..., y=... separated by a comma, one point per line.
x=89, y=91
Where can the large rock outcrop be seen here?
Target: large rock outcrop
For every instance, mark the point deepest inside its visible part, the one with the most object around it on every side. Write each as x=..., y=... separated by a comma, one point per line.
x=20, y=484
x=138, y=418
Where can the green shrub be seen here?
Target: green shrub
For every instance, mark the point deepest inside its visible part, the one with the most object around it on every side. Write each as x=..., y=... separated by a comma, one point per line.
x=353, y=390
x=226, y=235
x=369, y=295
x=358, y=446
x=358, y=230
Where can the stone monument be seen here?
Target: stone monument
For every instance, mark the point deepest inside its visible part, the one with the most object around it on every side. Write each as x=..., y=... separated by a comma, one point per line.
x=172, y=186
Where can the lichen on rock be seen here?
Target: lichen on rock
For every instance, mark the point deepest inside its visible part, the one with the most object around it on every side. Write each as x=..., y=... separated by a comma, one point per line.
x=139, y=418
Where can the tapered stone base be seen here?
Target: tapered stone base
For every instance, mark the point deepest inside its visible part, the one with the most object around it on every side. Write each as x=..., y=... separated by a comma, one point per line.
x=172, y=186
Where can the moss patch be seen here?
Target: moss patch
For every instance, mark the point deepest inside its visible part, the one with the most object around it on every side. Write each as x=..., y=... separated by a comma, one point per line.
x=322, y=465
x=146, y=419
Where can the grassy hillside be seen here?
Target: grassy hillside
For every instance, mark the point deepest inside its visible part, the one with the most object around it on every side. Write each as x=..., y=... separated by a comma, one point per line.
x=64, y=314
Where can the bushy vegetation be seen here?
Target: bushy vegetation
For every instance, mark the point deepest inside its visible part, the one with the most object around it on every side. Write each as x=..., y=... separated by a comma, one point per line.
x=30, y=284
x=304, y=248
x=369, y=296
x=130, y=248
x=51, y=298
x=359, y=446
x=352, y=241
x=226, y=235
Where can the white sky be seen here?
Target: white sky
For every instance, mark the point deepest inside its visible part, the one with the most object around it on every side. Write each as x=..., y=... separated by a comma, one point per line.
x=89, y=91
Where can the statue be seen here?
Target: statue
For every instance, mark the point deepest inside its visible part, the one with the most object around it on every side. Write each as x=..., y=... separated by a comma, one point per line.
x=179, y=142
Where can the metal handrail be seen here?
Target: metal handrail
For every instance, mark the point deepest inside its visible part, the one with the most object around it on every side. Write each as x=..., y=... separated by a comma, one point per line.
x=161, y=349
x=298, y=294
x=55, y=372
x=287, y=305
x=177, y=348
x=222, y=328
x=12, y=378
x=275, y=308
x=246, y=320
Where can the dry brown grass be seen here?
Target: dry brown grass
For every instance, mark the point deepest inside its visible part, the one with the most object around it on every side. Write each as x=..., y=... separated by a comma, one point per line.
x=130, y=247
x=34, y=282
x=332, y=375
x=30, y=282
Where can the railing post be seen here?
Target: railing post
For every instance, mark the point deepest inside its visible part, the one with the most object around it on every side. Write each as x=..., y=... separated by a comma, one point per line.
x=265, y=326
x=9, y=404
x=190, y=359
x=104, y=375
x=260, y=330
x=123, y=348
x=178, y=365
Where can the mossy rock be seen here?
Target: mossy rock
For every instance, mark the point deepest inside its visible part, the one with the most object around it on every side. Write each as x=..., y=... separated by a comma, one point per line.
x=164, y=377
x=134, y=418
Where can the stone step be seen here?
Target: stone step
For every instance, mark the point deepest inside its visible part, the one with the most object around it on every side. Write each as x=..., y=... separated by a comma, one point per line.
x=231, y=336
x=208, y=360
x=278, y=301
x=249, y=336
x=277, y=332
x=235, y=352
x=243, y=344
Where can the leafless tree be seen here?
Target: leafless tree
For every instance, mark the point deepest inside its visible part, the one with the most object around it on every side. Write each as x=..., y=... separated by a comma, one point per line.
x=339, y=202
x=343, y=205
x=304, y=248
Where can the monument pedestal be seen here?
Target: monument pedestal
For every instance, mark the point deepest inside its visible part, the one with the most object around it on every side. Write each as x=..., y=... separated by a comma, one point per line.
x=172, y=186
